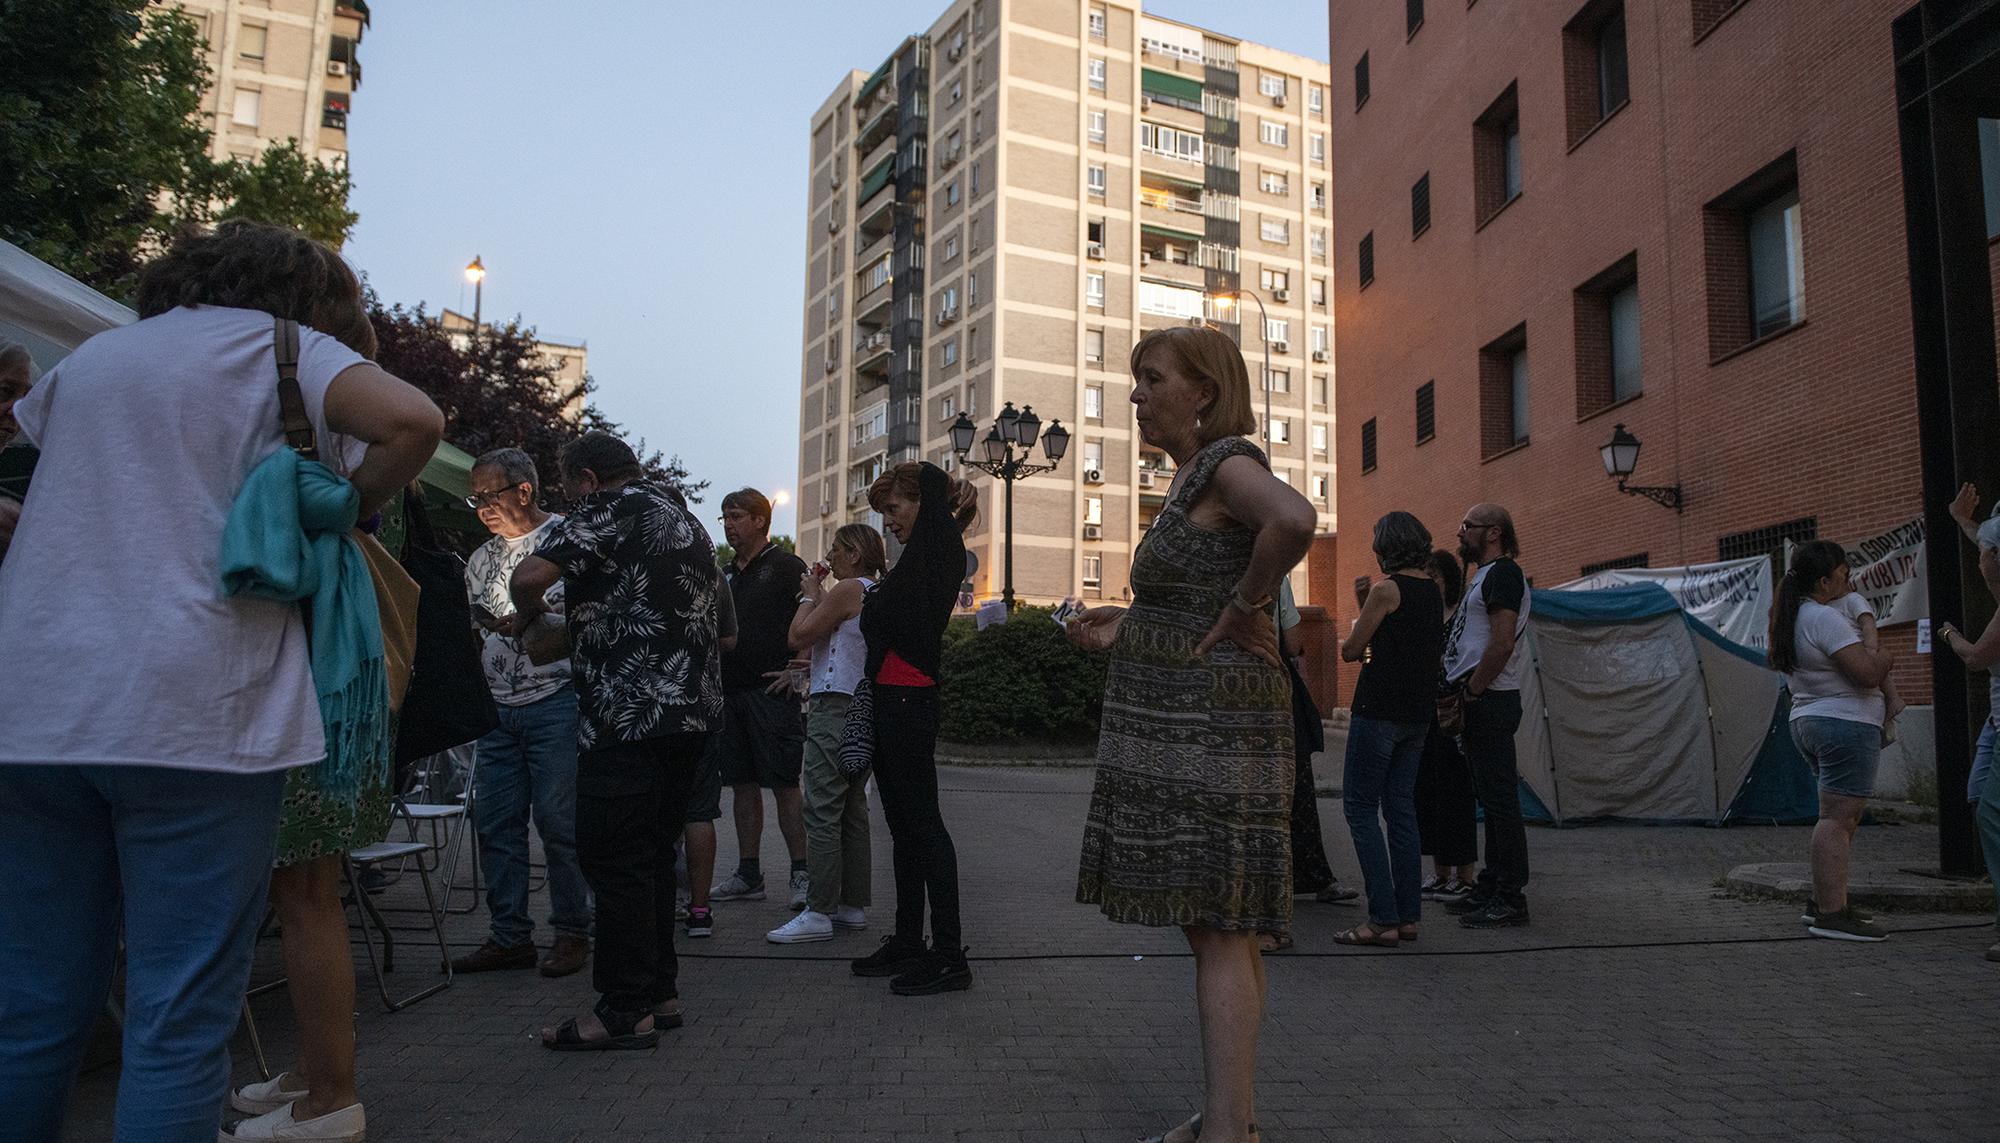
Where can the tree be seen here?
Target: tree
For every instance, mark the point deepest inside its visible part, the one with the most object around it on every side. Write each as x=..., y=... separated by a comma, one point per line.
x=497, y=390
x=103, y=151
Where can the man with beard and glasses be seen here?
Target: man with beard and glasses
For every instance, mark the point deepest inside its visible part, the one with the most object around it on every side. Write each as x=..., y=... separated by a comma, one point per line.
x=1482, y=667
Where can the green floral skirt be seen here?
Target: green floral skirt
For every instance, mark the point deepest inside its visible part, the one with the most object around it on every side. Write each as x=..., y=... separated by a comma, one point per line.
x=314, y=825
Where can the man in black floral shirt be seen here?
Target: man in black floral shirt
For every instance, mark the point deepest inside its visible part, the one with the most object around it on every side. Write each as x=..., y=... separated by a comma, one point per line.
x=638, y=572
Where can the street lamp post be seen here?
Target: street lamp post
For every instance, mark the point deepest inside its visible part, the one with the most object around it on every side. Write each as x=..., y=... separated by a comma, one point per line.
x=475, y=272
x=1007, y=451
x=1621, y=456
x=1225, y=301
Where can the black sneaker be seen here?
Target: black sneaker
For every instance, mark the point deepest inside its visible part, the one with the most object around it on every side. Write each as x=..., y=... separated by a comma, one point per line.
x=1497, y=914
x=936, y=972
x=1473, y=902
x=895, y=956
x=700, y=922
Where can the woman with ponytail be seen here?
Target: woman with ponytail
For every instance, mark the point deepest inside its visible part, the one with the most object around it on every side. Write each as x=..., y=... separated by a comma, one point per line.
x=1836, y=684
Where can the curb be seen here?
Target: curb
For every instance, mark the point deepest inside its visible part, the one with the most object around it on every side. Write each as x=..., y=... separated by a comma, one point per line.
x=1874, y=885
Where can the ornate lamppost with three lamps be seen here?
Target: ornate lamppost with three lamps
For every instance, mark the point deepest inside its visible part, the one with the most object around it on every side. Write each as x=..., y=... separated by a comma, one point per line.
x=1007, y=455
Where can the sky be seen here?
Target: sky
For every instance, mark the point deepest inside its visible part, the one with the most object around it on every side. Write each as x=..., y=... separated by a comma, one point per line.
x=628, y=182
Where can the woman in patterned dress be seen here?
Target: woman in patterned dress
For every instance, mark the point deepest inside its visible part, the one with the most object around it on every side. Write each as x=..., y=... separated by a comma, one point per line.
x=1190, y=819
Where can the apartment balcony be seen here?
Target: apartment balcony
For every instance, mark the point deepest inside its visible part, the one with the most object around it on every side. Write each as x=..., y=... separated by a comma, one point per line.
x=872, y=310
x=880, y=175
x=877, y=123
x=871, y=369
x=871, y=347
x=1154, y=476
x=869, y=248
x=1170, y=255
x=1171, y=204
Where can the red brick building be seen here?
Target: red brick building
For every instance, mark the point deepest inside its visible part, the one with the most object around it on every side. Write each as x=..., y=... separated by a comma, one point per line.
x=1683, y=216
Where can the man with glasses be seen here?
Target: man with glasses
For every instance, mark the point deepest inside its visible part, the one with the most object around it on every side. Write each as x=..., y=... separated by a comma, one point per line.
x=762, y=744
x=1482, y=665
x=527, y=763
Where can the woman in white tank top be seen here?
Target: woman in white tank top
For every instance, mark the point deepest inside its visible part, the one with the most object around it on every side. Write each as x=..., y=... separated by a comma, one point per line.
x=828, y=622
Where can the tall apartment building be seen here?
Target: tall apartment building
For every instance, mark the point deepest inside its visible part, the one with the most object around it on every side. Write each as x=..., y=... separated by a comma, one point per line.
x=568, y=357
x=1683, y=216
x=280, y=69
x=1002, y=208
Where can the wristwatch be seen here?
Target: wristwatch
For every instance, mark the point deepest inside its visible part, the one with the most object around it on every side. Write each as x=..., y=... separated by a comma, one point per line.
x=1249, y=606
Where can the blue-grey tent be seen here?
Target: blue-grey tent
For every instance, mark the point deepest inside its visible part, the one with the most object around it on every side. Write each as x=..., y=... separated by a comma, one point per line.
x=1633, y=709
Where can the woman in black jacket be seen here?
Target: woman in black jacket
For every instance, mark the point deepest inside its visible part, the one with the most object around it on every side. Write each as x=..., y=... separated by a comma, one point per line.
x=903, y=620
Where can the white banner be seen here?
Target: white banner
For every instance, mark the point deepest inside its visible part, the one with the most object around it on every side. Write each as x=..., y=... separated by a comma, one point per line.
x=1890, y=570
x=1733, y=597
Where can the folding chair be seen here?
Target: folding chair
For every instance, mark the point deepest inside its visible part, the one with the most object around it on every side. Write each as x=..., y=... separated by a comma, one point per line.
x=371, y=917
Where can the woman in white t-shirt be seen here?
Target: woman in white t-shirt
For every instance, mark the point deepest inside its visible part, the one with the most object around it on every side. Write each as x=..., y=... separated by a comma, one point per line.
x=150, y=721
x=1837, y=707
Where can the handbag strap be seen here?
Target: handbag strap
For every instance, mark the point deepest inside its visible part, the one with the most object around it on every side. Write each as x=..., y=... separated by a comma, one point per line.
x=298, y=427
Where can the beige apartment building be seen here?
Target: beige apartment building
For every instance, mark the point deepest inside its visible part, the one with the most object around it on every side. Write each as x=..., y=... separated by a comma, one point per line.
x=1002, y=208
x=568, y=357
x=280, y=69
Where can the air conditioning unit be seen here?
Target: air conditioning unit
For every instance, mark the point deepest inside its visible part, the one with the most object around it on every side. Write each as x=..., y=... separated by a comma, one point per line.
x=1145, y=101
x=833, y=180
x=1277, y=101
x=1281, y=347
x=1319, y=355
x=1147, y=477
x=336, y=67
x=1093, y=531
x=947, y=315
x=1145, y=259
x=832, y=225
x=826, y=508
x=1095, y=250
x=1093, y=476
x=1281, y=295
x=832, y=365
x=955, y=51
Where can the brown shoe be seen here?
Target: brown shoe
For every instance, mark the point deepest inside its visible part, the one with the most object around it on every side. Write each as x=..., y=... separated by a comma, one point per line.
x=491, y=957
x=566, y=957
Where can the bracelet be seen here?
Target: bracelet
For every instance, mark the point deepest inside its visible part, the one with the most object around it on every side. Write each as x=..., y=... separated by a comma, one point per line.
x=1248, y=606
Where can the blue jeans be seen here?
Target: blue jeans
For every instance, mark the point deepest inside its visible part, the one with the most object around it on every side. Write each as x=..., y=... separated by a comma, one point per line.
x=1380, y=778
x=1843, y=752
x=1982, y=763
x=183, y=858
x=529, y=760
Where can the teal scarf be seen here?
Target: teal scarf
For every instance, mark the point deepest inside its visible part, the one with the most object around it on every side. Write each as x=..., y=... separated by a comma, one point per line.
x=286, y=540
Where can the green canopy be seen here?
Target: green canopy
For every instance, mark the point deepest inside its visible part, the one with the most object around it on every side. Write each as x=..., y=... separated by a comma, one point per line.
x=1166, y=85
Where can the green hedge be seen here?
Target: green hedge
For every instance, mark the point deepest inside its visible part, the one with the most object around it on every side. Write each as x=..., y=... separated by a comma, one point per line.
x=1019, y=681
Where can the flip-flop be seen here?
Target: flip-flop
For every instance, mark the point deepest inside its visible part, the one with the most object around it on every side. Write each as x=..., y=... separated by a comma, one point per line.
x=1384, y=938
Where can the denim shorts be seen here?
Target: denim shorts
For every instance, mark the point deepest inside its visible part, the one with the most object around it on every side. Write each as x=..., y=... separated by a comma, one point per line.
x=1843, y=752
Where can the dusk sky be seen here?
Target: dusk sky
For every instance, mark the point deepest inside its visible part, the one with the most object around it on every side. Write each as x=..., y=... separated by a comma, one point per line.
x=630, y=182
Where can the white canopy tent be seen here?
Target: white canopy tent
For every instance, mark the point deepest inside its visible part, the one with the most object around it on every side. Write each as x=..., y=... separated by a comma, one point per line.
x=48, y=311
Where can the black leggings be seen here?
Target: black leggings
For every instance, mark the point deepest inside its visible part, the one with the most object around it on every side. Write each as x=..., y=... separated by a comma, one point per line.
x=1447, y=812
x=926, y=862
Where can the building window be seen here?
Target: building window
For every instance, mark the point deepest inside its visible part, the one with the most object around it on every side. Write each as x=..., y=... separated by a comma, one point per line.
x=972, y=290
x=1755, y=256
x=244, y=113
x=1496, y=156
x=1097, y=22
x=1093, y=402
x=1319, y=439
x=1278, y=380
x=1096, y=74
x=1319, y=484
x=1278, y=331
x=1271, y=85
x=1318, y=292
x=1274, y=134
x=1093, y=347
x=1607, y=338
x=1634, y=561
x=1095, y=178
x=1096, y=128
x=1274, y=182
x=1321, y=341
x=1322, y=389
x=1093, y=572
x=1413, y=16
x=1361, y=81
x=1281, y=431
x=972, y=176
x=951, y=351
x=1272, y=279
x=1315, y=98
x=1596, y=80
x=1503, y=392
x=1368, y=445
x=951, y=193
x=1364, y=260
x=1317, y=197
x=250, y=39
x=1170, y=300
x=1420, y=206
x=1318, y=243
x=1093, y=290
x=947, y=408
x=1316, y=148
x=950, y=246
x=1426, y=411
x=1275, y=230
x=1766, y=540
x=1165, y=141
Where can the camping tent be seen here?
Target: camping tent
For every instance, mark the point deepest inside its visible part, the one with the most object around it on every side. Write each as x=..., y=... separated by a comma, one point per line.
x=1633, y=709
x=52, y=313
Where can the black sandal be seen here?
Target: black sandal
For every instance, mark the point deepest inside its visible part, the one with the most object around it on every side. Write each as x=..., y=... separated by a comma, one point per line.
x=621, y=1028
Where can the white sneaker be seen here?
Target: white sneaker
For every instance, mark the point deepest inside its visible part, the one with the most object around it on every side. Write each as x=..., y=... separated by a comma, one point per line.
x=807, y=926
x=850, y=917
x=734, y=888
x=272, y=1094
x=348, y=1125
x=801, y=888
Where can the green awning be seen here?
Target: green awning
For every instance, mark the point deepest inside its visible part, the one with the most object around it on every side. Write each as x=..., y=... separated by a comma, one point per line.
x=1170, y=86
x=882, y=73
x=875, y=180
x=1169, y=232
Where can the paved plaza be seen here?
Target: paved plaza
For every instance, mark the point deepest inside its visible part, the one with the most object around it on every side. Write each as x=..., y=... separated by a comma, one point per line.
x=1642, y=1004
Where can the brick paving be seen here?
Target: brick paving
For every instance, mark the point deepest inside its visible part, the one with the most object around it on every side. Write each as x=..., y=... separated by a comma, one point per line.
x=1642, y=1004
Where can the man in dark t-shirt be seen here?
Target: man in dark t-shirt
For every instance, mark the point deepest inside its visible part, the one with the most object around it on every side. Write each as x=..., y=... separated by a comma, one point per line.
x=1482, y=662
x=762, y=742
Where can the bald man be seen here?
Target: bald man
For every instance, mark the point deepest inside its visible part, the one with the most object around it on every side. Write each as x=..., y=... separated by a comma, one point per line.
x=1482, y=661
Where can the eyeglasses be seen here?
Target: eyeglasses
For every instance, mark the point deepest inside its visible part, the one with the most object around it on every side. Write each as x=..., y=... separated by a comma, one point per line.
x=479, y=500
x=1471, y=525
